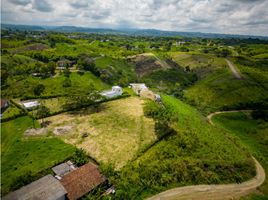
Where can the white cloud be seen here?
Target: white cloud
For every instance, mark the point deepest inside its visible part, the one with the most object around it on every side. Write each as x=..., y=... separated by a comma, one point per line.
x=224, y=16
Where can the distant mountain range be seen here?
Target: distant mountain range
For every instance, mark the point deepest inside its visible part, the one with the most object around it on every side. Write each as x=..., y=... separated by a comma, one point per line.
x=134, y=32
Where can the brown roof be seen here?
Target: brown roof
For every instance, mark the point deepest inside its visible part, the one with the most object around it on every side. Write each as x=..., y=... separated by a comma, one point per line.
x=82, y=180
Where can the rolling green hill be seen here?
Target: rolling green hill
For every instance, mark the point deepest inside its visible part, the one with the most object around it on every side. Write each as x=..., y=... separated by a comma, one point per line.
x=178, y=147
x=220, y=90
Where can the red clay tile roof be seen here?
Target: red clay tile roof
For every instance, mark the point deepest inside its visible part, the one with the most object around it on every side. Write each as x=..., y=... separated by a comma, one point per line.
x=82, y=180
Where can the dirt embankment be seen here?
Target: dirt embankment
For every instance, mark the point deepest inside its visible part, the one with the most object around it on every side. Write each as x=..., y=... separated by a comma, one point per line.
x=147, y=63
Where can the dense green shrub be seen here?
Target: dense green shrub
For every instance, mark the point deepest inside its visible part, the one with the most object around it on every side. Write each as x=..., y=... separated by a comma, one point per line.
x=67, y=82
x=260, y=114
x=80, y=157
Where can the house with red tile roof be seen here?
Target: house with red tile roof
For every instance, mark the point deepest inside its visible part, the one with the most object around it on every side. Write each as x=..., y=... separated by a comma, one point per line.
x=82, y=180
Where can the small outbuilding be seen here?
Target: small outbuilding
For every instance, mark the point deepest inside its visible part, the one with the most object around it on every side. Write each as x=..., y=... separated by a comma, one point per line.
x=82, y=180
x=116, y=91
x=29, y=105
x=138, y=87
x=46, y=188
x=63, y=168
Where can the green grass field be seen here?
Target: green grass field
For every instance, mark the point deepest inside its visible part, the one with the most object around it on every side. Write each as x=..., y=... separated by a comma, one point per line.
x=253, y=134
x=54, y=85
x=20, y=156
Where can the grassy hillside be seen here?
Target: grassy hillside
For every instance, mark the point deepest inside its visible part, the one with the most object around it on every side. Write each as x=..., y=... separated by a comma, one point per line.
x=196, y=60
x=253, y=133
x=23, y=157
x=221, y=90
x=193, y=152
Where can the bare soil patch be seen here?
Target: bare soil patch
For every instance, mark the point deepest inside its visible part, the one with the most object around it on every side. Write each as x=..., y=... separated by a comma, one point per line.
x=147, y=63
x=35, y=132
x=62, y=130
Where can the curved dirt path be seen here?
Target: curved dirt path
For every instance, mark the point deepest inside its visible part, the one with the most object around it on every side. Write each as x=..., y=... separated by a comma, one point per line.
x=233, y=68
x=209, y=117
x=215, y=192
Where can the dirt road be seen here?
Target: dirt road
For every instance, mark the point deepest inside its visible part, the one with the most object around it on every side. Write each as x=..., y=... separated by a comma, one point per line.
x=209, y=117
x=233, y=69
x=215, y=192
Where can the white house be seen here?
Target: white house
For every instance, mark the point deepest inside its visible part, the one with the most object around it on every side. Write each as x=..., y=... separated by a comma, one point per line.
x=116, y=91
x=30, y=104
x=179, y=43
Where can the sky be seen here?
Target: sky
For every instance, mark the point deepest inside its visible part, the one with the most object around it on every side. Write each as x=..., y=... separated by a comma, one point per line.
x=248, y=17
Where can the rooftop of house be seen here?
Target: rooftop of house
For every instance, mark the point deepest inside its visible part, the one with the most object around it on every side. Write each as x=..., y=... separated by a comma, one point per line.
x=45, y=188
x=116, y=90
x=30, y=104
x=82, y=180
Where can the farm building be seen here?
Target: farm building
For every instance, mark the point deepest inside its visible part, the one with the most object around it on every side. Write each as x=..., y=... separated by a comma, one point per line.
x=143, y=91
x=179, y=43
x=64, y=63
x=82, y=180
x=138, y=87
x=116, y=91
x=46, y=188
x=29, y=105
x=63, y=168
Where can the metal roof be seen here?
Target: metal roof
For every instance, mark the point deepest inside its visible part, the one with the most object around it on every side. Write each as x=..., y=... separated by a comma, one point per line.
x=45, y=188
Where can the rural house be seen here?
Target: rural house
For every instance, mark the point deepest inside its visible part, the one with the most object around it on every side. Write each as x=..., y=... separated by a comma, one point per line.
x=63, y=64
x=46, y=188
x=116, y=91
x=82, y=180
x=30, y=105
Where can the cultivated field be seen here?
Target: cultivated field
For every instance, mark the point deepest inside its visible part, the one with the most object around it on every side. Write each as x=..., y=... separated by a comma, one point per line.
x=113, y=135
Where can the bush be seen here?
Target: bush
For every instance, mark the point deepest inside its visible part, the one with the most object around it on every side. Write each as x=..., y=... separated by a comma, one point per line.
x=260, y=114
x=67, y=82
x=80, y=157
x=22, y=180
x=38, y=89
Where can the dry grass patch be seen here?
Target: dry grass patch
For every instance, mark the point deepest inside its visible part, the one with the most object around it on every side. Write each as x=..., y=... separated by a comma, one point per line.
x=114, y=135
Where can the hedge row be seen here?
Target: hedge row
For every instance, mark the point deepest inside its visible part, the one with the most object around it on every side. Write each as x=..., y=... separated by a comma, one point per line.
x=22, y=113
x=85, y=106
